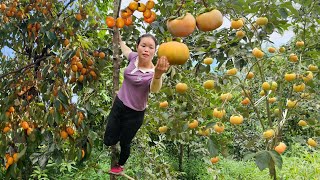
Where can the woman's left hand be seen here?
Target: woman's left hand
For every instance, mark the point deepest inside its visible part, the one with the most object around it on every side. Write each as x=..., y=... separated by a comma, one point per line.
x=161, y=66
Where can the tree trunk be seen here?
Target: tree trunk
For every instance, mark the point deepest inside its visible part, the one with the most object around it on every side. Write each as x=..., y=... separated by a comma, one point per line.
x=180, y=157
x=116, y=69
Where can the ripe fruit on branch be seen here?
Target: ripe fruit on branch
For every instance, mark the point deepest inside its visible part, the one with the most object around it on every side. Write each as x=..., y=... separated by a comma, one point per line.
x=257, y=53
x=302, y=123
x=163, y=129
x=181, y=88
x=218, y=113
x=299, y=43
x=268, y=134
x=193, y=124
x=262, y=21
x=164, y=104
x=312, y=142
x=232, y=72
x=218, y=127
x=214, y=160
x=236, y=24
x=236, y=119
x=226, y=97
x=182, y=26
x=209, y=84
x=290, y=77
x=177, y=53
x=208, y=61
x=280, y=148
x=209, y=21
x=240, y=34
x=293, y=58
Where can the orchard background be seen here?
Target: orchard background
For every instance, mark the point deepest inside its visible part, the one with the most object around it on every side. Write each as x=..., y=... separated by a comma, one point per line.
x=240, y=107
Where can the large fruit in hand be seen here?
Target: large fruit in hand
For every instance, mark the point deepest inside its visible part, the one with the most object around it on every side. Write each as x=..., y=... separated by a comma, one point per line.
x=182, y=26
x=209, y=21
x=176, y=52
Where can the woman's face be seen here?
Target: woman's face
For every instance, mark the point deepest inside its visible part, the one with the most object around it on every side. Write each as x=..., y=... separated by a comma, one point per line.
x=146, y=49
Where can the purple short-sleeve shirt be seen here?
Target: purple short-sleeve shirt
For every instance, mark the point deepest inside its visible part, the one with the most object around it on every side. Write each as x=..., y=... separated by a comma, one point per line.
x=136, y=85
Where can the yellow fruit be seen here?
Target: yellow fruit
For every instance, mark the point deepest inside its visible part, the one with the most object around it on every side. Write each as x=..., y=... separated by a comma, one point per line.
x=240, y=34
x=276, y=111
x=209, y=84
x=209, y=21
x=226, y=97
x=308, y=77
x=232, y=71
x=272, y=50
x=312, y=67
x=218, y=127
x=236, y=24
x=204, y=132
x=305, y=95
x=274, y=86
x=299, y=87
x=250, y=75
x=208, y=61
x=293, y=58
x=29, y=131
x=312, y=142
x=290, y=77
x=236, y=119
x=214, y=160
x=181, y=88
x=257, y=53
x=266, y=86
x=262, y=21
x=282, y=49
x=182, y=26
x=299, y=43
x=163, y=129
x=262, y=93
x=291, y=104
x=82, y=153
x=218, y=113
x=280, y=148
x=268, y=134
x=164, y=104
x=272, y=100
x=177, y=53
x=193, y=124
x=302, y=123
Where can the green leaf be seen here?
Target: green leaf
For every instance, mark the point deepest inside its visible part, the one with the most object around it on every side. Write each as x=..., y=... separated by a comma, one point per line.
x=277, y=159
x=283, y=13
x=212, y=147
x=249, y=156
x=63, y=97
x=262, y=160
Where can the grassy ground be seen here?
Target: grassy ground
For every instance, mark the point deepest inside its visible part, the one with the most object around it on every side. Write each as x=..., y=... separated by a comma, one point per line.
x=300, y=165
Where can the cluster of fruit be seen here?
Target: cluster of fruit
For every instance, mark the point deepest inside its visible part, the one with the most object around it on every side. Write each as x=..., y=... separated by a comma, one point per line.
x=126, y=14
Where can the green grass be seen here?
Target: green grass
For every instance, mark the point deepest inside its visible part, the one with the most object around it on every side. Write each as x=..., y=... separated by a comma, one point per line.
x=301, y=164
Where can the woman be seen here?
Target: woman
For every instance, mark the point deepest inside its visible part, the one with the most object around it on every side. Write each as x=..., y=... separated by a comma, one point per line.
x=141, y=76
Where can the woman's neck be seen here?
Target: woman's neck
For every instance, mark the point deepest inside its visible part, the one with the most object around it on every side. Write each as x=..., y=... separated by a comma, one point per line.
x=145, y=64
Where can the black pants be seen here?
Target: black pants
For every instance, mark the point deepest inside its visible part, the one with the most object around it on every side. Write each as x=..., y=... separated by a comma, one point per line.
x=123, y=124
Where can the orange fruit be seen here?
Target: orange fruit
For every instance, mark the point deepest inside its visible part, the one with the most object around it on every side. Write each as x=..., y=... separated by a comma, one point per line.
x=236, y=24
x=209, y=84
x=119, y=22
x=11, y=109
x=193, y=124
x=63, y=134
x=147, y=13
x=293, y=58
x=15, y=157
x=214, y=160
x=218, y=127
x=24, y=125
x=209, y=21
x=133, y=6
x=66, y=42
x=177, y=53
x=272, y=50
x=245, y=101
x=232, y=71
x=208, y=61
x=312, y=142
x=290, y=77
x=280, y=148
x=150, y=4
x=102, y=55
x=78, y=17
x=257, y=53
x=266, y=86
x=236, y=119
x=128, y=21
x=82, y=153
x=218, y=113
x=110, y=21
x=299, y=43
x=164, y=104
x=240, y=34
x=141, y=7
x=181, y=88
x=70, y=131
x=250, y=75
x=182, y=26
